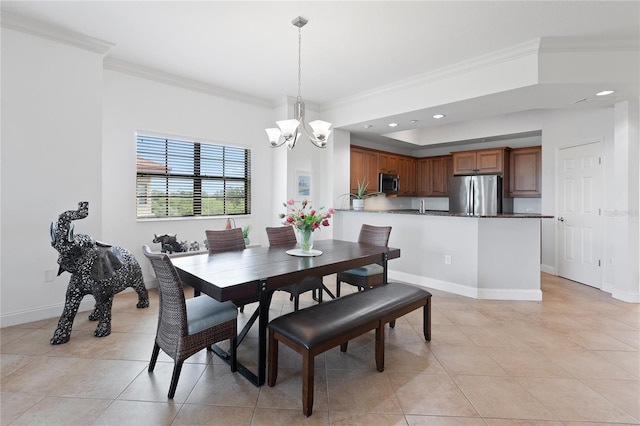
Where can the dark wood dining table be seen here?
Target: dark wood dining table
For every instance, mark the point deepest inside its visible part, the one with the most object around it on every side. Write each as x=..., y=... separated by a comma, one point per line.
x=253, y=274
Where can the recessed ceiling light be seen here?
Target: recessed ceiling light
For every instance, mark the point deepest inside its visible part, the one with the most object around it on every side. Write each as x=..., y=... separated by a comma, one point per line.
x=439, y=116
x=393, y=124
x=604, y=93
x=368, y=126
x=414, y=121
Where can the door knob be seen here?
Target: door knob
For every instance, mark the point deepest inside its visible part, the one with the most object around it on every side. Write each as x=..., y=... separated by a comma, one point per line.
x=561, y=219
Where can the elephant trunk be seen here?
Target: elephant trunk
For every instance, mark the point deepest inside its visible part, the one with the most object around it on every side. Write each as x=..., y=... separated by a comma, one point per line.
x=64, y=228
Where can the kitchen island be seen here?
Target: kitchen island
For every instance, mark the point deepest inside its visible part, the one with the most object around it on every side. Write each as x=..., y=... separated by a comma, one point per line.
x=485, y=257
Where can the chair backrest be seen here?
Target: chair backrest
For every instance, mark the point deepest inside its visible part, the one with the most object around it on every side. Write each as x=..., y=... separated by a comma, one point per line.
x=225, y=240
x=172, y=314
x=378, y=235
x=281, y=236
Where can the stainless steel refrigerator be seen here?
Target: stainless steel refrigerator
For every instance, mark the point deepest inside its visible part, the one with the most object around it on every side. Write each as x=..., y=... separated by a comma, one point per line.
x=476, y=195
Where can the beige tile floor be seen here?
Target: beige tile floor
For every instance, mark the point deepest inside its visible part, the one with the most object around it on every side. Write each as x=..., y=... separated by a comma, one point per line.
x=572, y=359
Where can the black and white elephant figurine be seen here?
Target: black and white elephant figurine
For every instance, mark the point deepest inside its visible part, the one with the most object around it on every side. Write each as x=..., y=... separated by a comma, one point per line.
x=96, y=268
x=169, y=243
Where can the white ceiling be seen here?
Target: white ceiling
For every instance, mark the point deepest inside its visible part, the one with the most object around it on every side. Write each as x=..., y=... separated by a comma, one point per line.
x=348, y=47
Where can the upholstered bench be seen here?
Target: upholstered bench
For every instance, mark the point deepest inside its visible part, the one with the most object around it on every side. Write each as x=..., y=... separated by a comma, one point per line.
x=319, y=328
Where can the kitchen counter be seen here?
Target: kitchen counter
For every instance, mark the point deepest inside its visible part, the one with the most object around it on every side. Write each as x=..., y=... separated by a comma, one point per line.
x=484, y=257
x=446, y=213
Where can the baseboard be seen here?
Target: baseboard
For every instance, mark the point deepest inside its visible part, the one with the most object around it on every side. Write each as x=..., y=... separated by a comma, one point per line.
x=547, y=269
x=510, y=294
x=626, y=296
x=41, y=313
x=462, y=290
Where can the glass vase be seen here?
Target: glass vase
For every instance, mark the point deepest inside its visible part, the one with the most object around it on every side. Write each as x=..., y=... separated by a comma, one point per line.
x=305, y=239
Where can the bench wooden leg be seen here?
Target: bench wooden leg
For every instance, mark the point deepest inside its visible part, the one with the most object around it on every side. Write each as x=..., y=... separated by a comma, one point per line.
x=272, y=366
x=426, y=320
x=380, y=347
x=307, y=383
x=343, y=347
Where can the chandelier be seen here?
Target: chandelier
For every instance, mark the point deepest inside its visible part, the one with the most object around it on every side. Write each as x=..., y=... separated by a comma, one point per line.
x=288, y=130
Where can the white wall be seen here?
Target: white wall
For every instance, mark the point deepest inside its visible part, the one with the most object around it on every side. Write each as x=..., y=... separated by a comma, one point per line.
x=133, y=104
x=51, y=160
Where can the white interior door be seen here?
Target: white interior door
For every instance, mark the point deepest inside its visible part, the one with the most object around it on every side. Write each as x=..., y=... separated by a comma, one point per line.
x=579, y=214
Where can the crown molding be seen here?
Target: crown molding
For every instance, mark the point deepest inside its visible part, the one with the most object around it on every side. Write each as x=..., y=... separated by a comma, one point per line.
x=50, y=32
x=185, y=83
x=574, y=44
x=505, y=55
x=533, y=47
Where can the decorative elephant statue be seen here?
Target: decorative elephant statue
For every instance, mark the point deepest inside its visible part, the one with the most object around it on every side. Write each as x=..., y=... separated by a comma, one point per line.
x=96, y=268
x=169, y=243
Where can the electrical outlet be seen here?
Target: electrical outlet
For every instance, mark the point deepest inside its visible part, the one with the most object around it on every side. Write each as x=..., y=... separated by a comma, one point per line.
x=447, y=259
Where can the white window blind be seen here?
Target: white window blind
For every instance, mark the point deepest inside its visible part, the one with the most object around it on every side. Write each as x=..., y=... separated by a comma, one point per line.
x=177, y=178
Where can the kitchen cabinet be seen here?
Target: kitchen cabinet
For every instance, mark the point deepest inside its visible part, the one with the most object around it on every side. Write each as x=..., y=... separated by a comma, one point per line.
x=388, y=163
x=492, y=160
x=422, y=177
x=407, y=174
x=364, y=166
x=525, y=167
x=433, y=176
x=441, y=172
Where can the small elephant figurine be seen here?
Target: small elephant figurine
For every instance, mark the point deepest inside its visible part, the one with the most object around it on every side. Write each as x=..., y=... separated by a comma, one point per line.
x=96, y=268
x=169, y=243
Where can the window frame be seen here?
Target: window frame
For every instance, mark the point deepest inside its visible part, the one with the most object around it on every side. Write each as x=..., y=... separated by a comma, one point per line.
x=175, y=169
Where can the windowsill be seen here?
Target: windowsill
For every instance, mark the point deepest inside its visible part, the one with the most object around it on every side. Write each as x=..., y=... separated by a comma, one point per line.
x=181, y=219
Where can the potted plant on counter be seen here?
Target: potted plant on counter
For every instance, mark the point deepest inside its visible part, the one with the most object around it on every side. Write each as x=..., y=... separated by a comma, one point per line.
x=361, y=194
x=245, y=234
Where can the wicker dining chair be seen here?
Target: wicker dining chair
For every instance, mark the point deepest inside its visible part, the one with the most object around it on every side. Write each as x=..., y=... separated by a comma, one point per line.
x=186, y=326
x=225, y=240
x=221, y=240
x=367, y=276
x=284, y=236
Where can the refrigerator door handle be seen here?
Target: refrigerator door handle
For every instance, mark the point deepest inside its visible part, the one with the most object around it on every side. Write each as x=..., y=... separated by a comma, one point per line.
x=471, y=207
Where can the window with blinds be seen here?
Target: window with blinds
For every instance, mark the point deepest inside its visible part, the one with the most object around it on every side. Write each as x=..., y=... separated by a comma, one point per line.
x=177, y=178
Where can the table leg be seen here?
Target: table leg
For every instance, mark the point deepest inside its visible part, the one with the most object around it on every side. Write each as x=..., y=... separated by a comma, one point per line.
x=263, y=321
x=385, y=258
x=262, y=315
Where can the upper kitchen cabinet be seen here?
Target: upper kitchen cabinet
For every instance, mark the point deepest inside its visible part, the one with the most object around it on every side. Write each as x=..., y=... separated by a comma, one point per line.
x=433, y=176
x=441, y=173
x=525, y=166
x=407, y=174
x=492, y=160
x=364, y=166
x=388, y=163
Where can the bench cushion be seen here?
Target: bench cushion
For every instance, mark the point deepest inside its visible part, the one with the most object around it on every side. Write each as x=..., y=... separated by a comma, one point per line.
x=314, y=326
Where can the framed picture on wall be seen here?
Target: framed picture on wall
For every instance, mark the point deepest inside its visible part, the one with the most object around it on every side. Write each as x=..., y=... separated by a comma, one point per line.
x=303, y=185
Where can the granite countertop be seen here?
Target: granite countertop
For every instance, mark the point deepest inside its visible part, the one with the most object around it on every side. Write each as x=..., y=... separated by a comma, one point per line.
x=446, y=213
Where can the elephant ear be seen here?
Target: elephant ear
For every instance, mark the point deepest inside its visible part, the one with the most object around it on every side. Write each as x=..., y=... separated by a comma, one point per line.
x=106, y=264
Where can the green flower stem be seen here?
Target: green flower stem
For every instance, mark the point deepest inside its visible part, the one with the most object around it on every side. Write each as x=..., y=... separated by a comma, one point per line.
x=306, y=239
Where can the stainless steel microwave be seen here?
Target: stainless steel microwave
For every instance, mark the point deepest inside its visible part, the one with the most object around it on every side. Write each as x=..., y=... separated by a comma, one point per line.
x=388, y=183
